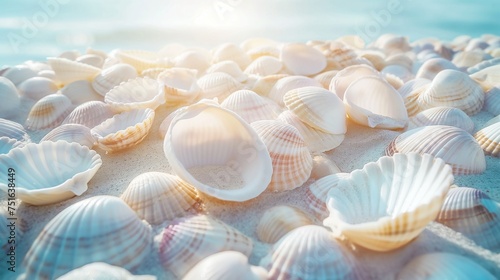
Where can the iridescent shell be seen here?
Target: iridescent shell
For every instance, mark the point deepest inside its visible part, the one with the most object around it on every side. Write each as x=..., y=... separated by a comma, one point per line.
x=102, y=270
x=317, y=193
x=13, y=130
x=89, y=114
x=442, y=116
x=113, y=76
x=285, y=84
x=48, y=112
x=68, y=71
x=37, y=87
x=138, y=93
x=80, y=92
x=229, y=67
x=264, y=66
x=301, y=59
x=250, y=106
x=489, y=139
x=180, y=85
x=219, y=85
x=10, y=98
x=280, y=220
x=71, y=133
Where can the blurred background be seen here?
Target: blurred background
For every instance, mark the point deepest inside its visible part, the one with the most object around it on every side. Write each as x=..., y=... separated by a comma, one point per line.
x=35, y=29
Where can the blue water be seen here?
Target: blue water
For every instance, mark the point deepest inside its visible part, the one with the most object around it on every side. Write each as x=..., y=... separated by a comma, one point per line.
x=37, y=29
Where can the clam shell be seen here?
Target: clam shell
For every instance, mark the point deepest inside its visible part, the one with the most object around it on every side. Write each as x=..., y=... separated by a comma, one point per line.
x=141, y=60
x=10, y=98
x=400, y=59
x=89, y=114
x=399, y=71
x=186, y=241
x=192, y=59
x=19, y=74
x=48, y=112
x=301, y=59
x=71, y=133
x=392, y=43
x=483, y=65
x=123, y=130
x=455, y=146
x=113, y=76
x=91, y=59
x=489, y=139
x=219, y=85
x=138, y=93
x=80, y=92
x=264, y=66
x=347, y=76
x=157, y=197
x=7, y=144
x=264, y=85
x=323, y=166
x=227, y=265
x=280, y=220
x=282, y=86
x=442, y=116
x=37, y=87
x=180, y=85
x=102, y=270
x=325, y=78
x=97, y=229
x=393, y=80
x=433, y=66
x=218, y=138
x=231, y=52
x=388, y=203
x=310, y=252
x=50, y=172
x=68, y=71
x=317, y=193
x=492, y=101
x=466, y=59
x=250, y=106
x=488, y=77
x=13, y=130
x=291, y=160
x=341, y=57
x=229, y=67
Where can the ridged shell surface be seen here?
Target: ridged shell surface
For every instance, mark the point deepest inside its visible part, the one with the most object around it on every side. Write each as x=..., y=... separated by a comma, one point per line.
x=102, y=270
x=264, y=66
x=489, y=139
x=90, y=114
x=280, y=220
x=138, y=93
x=71, y=133
x=285, y=84
x=442, y=116
x=113, y=76
x=48, y=112
x=492, y=101
x=317, y=193
x=250, y=106
x=68, y=71
x=13, y=130
x=180, y=85
x=219, y=85
x=7, y=144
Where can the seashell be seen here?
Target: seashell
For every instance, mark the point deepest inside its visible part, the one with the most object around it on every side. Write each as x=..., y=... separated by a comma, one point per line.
x=474, y=214
x=441, y=265
x=153, y=73
x=91, y=59
x=89, y=114
x=339, y=58
x=489, y=139
x=488, y=77
x=219, y=85
x=222, y=149
x=466, y=59
x=453, y=89
x=455, y=146
x=10, y=98
x=476, y=43
x=277, y=221
x=157, y=197
x=231, y=52
x=141, y=60
x=50, y=172
x=399, y=71
x=318, y=192
x=13, y=130
x=263, y=85
x=353, y=41
x=347, y=76
x=48, y=112
x=192, y=59
x=7, y=144
x=229, y=67
x=180, y=85
x=138, y=93
x=97, y=229
x=460, y=42
x=399, y=59
x=371, y=208
x=325, y=78
x=376, y=58
x=19, y=74
x=227, y=265
x=110, y=61
x=71, y=133
x=492, y=121
x=310, y=252
x=165, y=124
x=187, y=241
x=112, y=77
x=442, y=116
x=268, y=51
x=70, y=55
x=36, y=88
x=80, y=92
x=250, y=106
x=323, y=166
x=393, y=80
x=49, y=74
x=433, y=66
x=102, y=270
x=291, y=160
x=301, y=59
x=253, y=43
x=391, y=43
x=100, y=53
x=282, y=86
x=381, y=107
x=411, y=92
x=124, y=130
x=483, y=65
x=68, y=71
x=264, y=66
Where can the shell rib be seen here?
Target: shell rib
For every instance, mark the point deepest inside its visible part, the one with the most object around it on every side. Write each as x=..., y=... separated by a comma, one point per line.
x=48, y=112
x=250, y=106
x=113, y=76
x=180, y=85
x=219, y=85
x=7, y=144
x=285, y=84
x=71, y=133
x=317, y=193
x=280, y=220
x=138, y=93
x=68, y=71
x=13, y=130
x=89, y=114
x=442, y=116
x=489, y=139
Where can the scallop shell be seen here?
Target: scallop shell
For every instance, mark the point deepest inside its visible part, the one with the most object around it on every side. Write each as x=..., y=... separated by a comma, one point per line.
x=441, y=265
x=280, y=220
x=371, y=208
x=80, y=92
x=264, y=85
x=488, y=77
x=492, y=101
x=97, y=229
x=71, y=133
x=325, y=78
x=219, y=85
x=411, y=92
x=48, y=112
x=347, y=76
x=186, y=241
x=442, y=116
x=474, y=214
x=89, y=114
x=229, y=67
x=50, y=172
x=68, y=71
x=310, y=252
x=10, y=98
x=157, y=197
x=393, y=80
x=282, y=86
x=113, y=76
x=102, y=270
x=180, y=85
x=318, y=192
x=291, y=160
x=379, y=107
x=264, y=66
x=218, y=138
x=13, y=130
x=232, y=52
x=37, y=87
x=433, y=66
x=19, y=74
x=141, y=60
x=91, y=59
x=227, y=265
x=192, y=59
x=454, y=89
x=123, y=130
x=7, y=144
x=138, y=93
x=301, y=59
x=455, y=146
x=323, y=166
x=489, y=139
x=250, y=106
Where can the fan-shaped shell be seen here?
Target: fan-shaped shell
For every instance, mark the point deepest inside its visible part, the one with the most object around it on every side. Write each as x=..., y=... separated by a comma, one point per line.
x=301, y=59
x=340, y=57
x=489, y=139
x=113, y=76
x=37, y=87
x=232, y=52
x=102, y=270
x=48, y=112
x=180, y=85
x=71, y=133
x=310, y=252
x=483, y=65
x=323, y=166
x=388, y=203
x=411, y=92
x=317, y=193
x=347, y=76
x=97, y=229
x=433, y=66
x=219, y=85
x=229, y=67
x=141, y=60
x=10, y=98
x=157, y=197
x=124, y=130
x=91, y=59
x=454, y=145
x=442, y=116
x=13, y=130
x=138, y=93
x=326, y=77
x=291, y=160
x=263, y=85
x=488, y=77
x=285, y=84
x=264, y=66
x=280, y=220
x=89, y=114
x=186, y=241
x=492, y=101
x=218, y=153
x=50, y=172
x=80, y=92
x=7, y=144
x=68, y=71
x=250, y=106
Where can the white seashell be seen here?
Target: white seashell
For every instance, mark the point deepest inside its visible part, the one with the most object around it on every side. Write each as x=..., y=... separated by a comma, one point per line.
x=442, y=116
x=317, y=193
x=264, y=66
x=489, y=139
x=13, y=130
x=253, y=43
x=71, y=133
x=227, y=265
x=282, y=86
x=433, y=66
x=80, y=92
x=474, y=214
x=187, y=241
x=301, y=59
x=375, y=57
x=372, y=208
x=192, y=59
x=277, y=221
x=455, y=146
x=10, y=98
x=347, y=76
x=157, y=197
x=381, y=106
x=36, y=88
x=393, y=80
x=49, y=74
x=91, y=59
x=391, y=43
x=124, y=130
x=180, y=85
x=325, y=78
x=323, y=166
x=250, y=106
x=102, y=270
x=97, y=229
x=70, y=55
x=100, y=53
x=268, y=51
x=310, y=252
x=340, y=57
x=353, y=41
x=291, y=160
x=400, y=59
x=483, y=65
x=68, y=71
x=263, y=85
x=112, y=77
x=219, y=85
x=231, y=52
x=50, y=172
x=138, y=93
x=165, y=124
x=476, y=43
x=153, y=73
x=141, y=60
x=411, y=92
x=466, y=59
x=492, y=101
x=229, y=67
x=399, y=71
x=441, y=265
x=48, y=112
x=89, y=114
x=7, y=144
x=171, y=50
x=19, y=74
x=488, y=77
